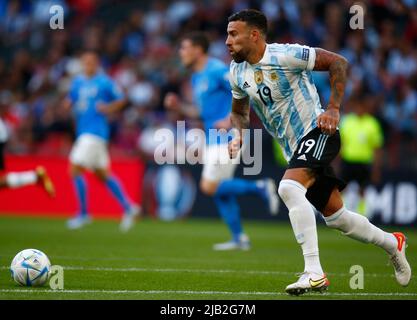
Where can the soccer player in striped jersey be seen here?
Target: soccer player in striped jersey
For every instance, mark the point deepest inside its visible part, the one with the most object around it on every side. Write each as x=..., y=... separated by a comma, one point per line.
x=277, y=79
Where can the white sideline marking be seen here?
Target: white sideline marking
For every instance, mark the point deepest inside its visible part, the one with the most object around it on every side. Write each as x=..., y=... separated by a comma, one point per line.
x=245, y=293
x=179, y=270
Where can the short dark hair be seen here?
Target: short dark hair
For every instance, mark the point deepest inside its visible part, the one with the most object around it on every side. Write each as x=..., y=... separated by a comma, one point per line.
x=198, y=38
x=252, y=17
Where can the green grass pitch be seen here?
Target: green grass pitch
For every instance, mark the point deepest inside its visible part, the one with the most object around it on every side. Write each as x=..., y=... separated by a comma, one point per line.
x=175, y=260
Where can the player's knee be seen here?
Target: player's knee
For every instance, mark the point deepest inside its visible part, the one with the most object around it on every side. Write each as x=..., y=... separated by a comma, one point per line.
x=208, y=188
x=286, y=189
x=283, y=190
x=331, y=209
x=3, y=182
x=102, y=175
x=75, y=170
x=334, y=204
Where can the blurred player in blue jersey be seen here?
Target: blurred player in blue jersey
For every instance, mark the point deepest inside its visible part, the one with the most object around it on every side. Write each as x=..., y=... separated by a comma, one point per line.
x=93, y=96
x=212, y=98
x=277, y=78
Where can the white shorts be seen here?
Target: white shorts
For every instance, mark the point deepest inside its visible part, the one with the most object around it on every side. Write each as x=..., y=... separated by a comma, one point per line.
x=90, y=151
x=217, y=164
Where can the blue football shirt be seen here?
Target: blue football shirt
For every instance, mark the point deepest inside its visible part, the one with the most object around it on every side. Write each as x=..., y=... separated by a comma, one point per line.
x=86, y=94
x=212, y=93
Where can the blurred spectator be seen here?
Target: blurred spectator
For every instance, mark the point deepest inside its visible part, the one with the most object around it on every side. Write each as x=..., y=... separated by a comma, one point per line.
x=142, y=93
x=402, y=61
x=15, y=20
x=133, y=41
x=401, y=110
x=400, y=113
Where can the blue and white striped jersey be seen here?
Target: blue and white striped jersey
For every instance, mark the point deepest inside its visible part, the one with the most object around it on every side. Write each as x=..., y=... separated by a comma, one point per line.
x=282, y=92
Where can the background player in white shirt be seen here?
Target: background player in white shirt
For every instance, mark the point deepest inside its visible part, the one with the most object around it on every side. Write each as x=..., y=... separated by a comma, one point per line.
x=277, y=79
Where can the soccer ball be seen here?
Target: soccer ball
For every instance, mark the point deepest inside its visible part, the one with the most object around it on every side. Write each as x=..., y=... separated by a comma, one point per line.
x=30, y=267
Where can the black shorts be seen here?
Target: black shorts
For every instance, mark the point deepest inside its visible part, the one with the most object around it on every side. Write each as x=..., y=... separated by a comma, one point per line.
x=2, y=167
x=316, y=151
x=359, y=172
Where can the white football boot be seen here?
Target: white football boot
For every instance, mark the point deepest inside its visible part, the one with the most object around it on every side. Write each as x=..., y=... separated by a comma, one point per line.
x=129, y=218
x=307, y=282
x=399, y=261
x=242, y=244
x=78, y=222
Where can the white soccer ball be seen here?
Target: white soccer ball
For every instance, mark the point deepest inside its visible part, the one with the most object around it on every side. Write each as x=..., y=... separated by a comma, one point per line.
x=30, y=268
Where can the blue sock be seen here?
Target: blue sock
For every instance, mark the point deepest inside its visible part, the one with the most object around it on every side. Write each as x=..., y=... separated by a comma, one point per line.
x=117, y=190
x=238, y=187
x=229, y=210
x=81, y=189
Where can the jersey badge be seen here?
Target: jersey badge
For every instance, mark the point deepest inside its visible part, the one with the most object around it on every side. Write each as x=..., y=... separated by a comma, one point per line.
x=259, y=77
x=274, y=76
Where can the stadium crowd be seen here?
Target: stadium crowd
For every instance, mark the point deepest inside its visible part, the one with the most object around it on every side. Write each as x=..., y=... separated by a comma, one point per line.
x=138, y=44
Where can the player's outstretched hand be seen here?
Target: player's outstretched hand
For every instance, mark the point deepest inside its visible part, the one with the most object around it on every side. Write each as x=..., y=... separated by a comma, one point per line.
x=329, y=120
x=234, y=147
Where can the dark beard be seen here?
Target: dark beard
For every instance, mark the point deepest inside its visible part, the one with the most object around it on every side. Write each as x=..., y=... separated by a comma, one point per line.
x=238, y=57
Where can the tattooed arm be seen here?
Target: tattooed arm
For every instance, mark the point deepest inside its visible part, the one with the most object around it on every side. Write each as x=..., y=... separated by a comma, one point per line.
x=240, y=120
x=337, y=67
